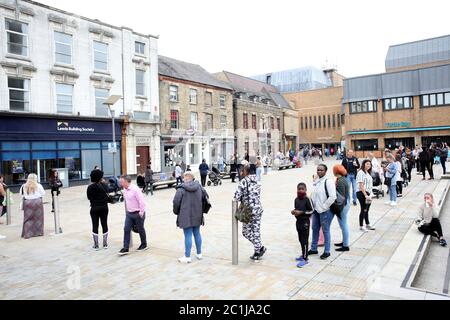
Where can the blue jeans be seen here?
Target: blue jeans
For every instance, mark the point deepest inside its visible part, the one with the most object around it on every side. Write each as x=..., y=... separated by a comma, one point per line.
x=221, y=167
x=258, y=173
x=321, y=220
x=352, y=180
x=130, y=220
x=393, y=192
x=188, y=240
x=343, y=224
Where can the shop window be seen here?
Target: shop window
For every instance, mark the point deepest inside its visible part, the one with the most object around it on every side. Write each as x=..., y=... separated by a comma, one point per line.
x=90, y=159
x=15, y=167
x=43, y=145
x=90, y=145
x=365, y=145
x=66, y=145
x=43, y=163
x=12, y=146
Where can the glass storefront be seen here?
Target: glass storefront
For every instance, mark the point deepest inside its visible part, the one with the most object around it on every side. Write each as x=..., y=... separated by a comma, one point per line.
x=19, y=158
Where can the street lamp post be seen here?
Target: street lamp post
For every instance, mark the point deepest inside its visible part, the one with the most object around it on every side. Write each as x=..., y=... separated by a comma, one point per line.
x=109, y=103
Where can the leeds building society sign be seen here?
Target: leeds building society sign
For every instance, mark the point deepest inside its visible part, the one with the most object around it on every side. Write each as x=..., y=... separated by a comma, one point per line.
x=397, y=124
x=65, y=126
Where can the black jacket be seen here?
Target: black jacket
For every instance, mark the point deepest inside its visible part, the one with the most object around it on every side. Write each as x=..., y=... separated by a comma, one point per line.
x=304, y=205
x=97, y=193
x=348, y=165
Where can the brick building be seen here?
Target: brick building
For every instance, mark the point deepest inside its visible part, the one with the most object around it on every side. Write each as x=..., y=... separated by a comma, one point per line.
x=407, y=105
x=197, y=114
x=260, y=114
x=319, y=114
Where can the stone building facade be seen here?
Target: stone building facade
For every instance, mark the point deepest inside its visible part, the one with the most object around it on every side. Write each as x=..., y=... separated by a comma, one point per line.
x=197, y=115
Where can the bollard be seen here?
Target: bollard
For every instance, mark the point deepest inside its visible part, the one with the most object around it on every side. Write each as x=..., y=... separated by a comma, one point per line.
x=234, y=235
x=8, y=207
x=58, y=229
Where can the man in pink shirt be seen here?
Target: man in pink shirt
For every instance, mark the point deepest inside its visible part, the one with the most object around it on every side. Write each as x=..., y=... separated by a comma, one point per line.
x=135, y=214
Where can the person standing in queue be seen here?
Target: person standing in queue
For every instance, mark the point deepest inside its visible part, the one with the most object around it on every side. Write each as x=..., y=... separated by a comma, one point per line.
x=203, y=172
x=233, y=168
x=149, y=180
x=249, y=191
x=32, y=193
x=351, y=164
x=97, y=194
x=135, y=214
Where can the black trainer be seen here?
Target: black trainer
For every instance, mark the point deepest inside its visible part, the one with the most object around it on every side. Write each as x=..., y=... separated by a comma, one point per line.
x=342, y=249
x=254, y=256
x=142, y=247
x=123, y=252
x=310, y=252
x=261, y=252
x=324, y=256
x=341, y=244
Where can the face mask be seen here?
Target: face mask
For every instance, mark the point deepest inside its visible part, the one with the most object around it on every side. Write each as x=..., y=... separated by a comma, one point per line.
x=301, y=194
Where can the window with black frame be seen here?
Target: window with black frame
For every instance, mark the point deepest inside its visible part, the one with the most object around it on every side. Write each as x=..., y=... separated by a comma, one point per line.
x=363, y=106
x=435, y=99
x=365, y=145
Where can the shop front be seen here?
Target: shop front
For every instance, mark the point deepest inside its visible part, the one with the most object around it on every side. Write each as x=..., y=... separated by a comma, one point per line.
x=40, y=144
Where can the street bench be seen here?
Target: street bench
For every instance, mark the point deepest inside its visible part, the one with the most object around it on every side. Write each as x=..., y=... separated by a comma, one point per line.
x=163, y=179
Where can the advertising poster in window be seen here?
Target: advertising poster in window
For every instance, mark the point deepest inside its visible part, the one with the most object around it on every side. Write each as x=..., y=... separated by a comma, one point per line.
x=17, y=166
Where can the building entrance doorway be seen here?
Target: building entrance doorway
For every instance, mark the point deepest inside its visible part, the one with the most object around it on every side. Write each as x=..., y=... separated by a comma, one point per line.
x=142, y=159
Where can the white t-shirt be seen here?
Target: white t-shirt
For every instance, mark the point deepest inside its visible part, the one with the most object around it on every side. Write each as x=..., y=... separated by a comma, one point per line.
x=399, y=170
x=366, y=179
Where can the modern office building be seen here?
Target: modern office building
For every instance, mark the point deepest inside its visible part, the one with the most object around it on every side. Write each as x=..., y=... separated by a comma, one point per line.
x=407, y=105
x=301, y=79
x=197, y=113
x=56, y=70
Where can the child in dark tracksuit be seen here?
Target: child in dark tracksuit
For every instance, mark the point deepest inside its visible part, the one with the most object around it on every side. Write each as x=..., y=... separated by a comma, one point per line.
x=302, y=212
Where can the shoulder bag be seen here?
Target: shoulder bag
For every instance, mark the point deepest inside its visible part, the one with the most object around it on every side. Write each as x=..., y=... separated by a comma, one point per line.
x=244, y=210
x=339, y=204
x=206, y=204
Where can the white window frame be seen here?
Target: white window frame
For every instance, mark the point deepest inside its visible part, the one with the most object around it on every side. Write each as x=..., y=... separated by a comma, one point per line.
x=138, y=83
x=173, y=98
x=63, y=94
x=64, y=44
x=101, y=98
x=26, y=107
x=223, y=125
x=107, y=55
x=223, y=98
x=194, y=121
x=26, y=35
x=137, y=44
x=193, y=97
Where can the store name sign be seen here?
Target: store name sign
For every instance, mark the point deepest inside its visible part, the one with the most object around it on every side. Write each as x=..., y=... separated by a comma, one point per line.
x=64, y=126
x=397, y=124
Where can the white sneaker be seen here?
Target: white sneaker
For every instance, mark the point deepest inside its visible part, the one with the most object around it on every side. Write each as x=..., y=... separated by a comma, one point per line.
x=185, y=260
x=388, y=202
x=393, y=203
x=2, y=237
x=362, y=229
x=199, y=256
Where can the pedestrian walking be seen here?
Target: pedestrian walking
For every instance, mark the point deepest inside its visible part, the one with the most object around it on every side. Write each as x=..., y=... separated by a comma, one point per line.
x=135, y=214
x=204, y=169
x=324, y=195
x=443, y=155
x=32, y=193
x=97, y=194
x=148, y=180
x=391, y=172
x=55, y=184
x=249, y=191
x=365, y=186
x=233, y=168
x=178, y=174
x=351, y=164
x=187, y=205
x=428, y=220
x=410, y=162
x=432, y=156
x=425, y=162
x=343, y=187
x=259, y=168
x=303, y=208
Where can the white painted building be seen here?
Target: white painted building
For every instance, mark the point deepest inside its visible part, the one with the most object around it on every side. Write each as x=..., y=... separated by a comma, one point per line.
x=61, y=66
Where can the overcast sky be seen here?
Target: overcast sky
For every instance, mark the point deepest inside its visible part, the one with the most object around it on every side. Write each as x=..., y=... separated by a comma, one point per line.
x=252, y=37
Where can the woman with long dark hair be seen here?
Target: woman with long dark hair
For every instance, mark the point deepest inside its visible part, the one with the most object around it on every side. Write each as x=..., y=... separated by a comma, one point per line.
x=97, y=193
x=365, y=185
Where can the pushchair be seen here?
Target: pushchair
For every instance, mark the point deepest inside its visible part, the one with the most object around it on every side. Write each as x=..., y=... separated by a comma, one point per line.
x=115, y=189
x=377, y=185
x=214, y=177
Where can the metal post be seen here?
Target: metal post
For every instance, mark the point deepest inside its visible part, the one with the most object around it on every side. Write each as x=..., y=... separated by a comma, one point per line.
x=58, y=229
x=234, y=235
x=114, y=143
x=8, y=207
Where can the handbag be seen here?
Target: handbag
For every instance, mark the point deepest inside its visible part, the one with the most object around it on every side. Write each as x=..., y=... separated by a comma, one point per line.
x=339, y=204
x=244, y=210
x=111, y=199
x=206, y=204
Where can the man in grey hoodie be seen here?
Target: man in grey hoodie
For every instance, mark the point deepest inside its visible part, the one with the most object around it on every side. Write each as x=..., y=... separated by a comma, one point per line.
x=187, y=205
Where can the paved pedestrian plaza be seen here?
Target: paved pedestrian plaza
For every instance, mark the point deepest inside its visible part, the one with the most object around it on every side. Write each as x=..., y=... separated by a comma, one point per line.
x=65, y=266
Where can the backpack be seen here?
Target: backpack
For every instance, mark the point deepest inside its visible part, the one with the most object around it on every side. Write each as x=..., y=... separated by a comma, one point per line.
x=339, y=204
x=206, y=204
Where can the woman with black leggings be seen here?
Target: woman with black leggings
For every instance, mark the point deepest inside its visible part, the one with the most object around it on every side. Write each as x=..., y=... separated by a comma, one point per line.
x=365, y=185
x=97, y=193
